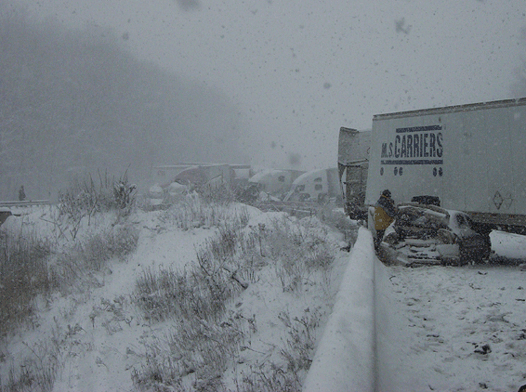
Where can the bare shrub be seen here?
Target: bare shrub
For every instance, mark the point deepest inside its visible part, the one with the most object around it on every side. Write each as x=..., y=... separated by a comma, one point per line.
x=118, y=241
x=160, y=374
x=32, y=268
x=297, y=353
x=163, y=294
x=111, y=314
x=250, y=258
x=124, y=193
x=86, y=197
x=202, y=290
x=198, y=292
x=269, y=377
x=29, y=269
x=204, y=339
x=167, y=294
x=300, y=342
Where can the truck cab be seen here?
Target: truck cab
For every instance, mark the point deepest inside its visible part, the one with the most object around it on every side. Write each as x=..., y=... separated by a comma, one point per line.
x=274, y=182
x=316, y=185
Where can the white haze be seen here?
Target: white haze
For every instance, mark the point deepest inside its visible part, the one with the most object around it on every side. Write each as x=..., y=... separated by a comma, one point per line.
x=298, y=70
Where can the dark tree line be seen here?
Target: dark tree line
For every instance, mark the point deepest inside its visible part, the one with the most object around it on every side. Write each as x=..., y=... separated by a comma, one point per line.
x=76, y=101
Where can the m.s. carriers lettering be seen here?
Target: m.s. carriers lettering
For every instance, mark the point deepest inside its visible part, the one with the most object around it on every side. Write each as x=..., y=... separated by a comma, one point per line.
x=414, y=146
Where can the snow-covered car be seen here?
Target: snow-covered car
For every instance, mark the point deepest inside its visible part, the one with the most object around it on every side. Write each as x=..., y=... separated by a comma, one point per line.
x=426, y=234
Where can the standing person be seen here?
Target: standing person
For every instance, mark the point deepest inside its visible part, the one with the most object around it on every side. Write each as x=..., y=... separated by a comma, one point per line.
x=21, y=194
x=384, y=215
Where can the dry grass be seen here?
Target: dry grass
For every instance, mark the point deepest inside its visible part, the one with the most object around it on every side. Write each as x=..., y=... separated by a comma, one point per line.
x=297, y=353
x=201, y=291
x=195, y=212
x=23, y=277
x=72, y=268
x=206, y=337
x=33, y=267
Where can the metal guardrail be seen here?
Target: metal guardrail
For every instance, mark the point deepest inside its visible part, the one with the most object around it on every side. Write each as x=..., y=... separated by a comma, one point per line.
x=301, y=209
x=25, y=203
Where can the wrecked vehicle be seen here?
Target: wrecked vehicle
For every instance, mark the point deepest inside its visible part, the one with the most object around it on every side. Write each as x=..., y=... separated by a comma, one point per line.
x=428, y=234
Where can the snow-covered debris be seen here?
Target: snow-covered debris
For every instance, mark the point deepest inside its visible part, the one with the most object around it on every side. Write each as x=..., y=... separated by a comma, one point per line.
x=450, y=328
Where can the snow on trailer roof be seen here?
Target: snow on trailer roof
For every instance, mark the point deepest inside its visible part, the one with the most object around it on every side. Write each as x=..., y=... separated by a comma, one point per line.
x=452, y=109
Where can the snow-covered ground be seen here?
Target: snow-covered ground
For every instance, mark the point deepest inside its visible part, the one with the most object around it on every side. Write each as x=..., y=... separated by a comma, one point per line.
x=434, y=328
x=100, y=338
x=451, y=329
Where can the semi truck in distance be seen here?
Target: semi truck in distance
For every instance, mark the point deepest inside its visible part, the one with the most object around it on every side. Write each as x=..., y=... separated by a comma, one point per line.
x=172, y=182
x=315, y=186
x=465, y=161
x=272, y=182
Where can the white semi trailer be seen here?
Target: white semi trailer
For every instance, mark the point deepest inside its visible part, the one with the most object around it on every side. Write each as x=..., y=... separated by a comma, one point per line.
x=468, y=158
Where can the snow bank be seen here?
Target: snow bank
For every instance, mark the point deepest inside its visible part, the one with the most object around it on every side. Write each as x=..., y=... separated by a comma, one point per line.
x=344, y=359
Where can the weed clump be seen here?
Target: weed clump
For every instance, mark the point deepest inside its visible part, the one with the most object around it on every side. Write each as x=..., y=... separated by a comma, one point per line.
x=198, y=292
x=85, y=197
x=299, y=249
x=296, y=353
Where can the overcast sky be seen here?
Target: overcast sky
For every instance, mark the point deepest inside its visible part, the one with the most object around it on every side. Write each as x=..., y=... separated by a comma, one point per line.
x=300, y=69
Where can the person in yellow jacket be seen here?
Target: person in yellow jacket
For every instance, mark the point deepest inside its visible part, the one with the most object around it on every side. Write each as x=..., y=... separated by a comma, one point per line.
x=384, y=214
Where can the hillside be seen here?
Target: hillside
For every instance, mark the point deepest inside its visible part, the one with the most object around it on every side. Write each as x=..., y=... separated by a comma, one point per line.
x=212, y=297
